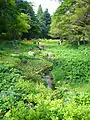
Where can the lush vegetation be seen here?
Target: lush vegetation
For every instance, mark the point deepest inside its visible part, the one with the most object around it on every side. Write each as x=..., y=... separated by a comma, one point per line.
x=44, y=79
x=23, y=94
x=18, y=20
x=44, y=21
x=71, y=21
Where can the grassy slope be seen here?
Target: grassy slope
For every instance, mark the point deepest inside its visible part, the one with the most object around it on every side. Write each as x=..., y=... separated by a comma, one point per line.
x=70, y=73
x=68, y=62
x=71, y=65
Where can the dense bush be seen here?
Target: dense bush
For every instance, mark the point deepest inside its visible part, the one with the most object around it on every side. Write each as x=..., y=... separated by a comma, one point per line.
x=8, y=78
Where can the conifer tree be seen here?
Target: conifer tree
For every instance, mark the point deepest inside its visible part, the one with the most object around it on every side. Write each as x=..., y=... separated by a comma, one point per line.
x=47, y=19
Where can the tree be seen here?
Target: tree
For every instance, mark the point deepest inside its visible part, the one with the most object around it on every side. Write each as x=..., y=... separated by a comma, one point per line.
x=44, y=19
x=5, y=11
x=40, y=13
x=41, y=21
x=19, y=26
x=71, y=21
x=27, y=8
x=47, y=19
x=13, y=21
x=61, y=19
x=81, y=20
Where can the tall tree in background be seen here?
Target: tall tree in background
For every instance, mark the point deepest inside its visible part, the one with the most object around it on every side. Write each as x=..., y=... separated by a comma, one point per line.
x=40, y=13
x=44, y=19
x=41, y=21
x=47, y=19
x=61, y=19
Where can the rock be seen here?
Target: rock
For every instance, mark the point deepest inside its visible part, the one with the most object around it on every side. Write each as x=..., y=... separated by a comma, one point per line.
x=41, y=48
x=59, y=43
x=13, y=55
x=25, y=39
x=31, y=53
x=67, y=100
x=23, y=60
x=49, y=55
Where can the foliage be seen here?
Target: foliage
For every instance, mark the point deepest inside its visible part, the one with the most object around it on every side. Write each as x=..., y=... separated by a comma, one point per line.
x=11, y=20
x=44, y=19
x=71, y=66
x=47, y=19
x=18, y=20
x=41, y=20
x=19, y=25
x=24, y=98
x=71, y=21
x=27, y=8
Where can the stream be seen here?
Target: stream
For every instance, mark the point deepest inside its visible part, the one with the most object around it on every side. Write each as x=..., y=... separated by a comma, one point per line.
x=48, y=81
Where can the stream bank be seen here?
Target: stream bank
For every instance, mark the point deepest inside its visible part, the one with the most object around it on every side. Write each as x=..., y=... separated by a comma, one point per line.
x=47, y=77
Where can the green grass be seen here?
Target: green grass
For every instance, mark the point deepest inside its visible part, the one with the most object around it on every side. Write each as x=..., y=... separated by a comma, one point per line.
x=70, y=64
x=24, y=95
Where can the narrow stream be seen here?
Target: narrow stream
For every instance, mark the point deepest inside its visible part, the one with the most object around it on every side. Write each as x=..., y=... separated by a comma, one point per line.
x=48, y=81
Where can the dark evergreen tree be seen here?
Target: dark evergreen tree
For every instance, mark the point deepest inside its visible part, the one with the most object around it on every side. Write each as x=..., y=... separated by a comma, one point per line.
x=47, y=19
x=40, y=13
x=41, y=21
x=44, y=19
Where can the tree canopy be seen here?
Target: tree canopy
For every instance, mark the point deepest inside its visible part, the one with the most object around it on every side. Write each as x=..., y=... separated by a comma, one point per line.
x=71, y=20
x=27, y=8
x=44, y=19
x=13, y=21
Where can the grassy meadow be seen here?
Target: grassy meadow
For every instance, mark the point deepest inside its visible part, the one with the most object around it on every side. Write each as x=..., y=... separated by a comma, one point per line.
x=24, y=94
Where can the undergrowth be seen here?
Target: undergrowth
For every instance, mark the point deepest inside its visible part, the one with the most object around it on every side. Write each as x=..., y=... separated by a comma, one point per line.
x=23, y=95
